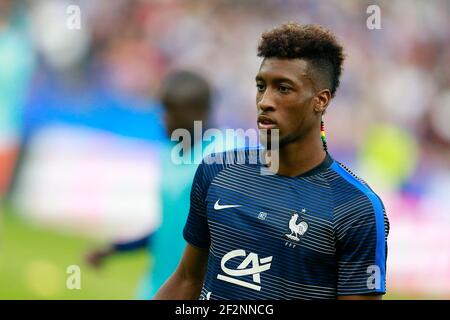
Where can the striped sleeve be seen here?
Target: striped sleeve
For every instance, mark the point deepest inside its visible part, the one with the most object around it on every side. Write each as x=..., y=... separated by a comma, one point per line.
x=361, y=230
x=196, y=230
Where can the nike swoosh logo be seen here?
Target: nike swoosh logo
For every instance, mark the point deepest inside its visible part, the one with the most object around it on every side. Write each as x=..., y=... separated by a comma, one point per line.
x=218, y=206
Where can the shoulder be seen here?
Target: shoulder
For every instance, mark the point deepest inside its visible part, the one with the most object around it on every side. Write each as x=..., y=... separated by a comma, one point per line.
x=352, y=195
x=347, y=184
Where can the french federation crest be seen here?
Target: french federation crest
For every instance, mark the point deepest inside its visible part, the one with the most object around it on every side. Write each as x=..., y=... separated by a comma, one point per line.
x=298, y=228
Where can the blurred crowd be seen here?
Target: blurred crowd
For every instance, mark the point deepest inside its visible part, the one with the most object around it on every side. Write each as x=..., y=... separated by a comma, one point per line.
x=389, y=120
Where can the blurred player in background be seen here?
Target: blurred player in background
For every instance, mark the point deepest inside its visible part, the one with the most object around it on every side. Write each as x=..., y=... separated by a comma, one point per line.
x=16, y=65
x=186, y=97
x=310, y=230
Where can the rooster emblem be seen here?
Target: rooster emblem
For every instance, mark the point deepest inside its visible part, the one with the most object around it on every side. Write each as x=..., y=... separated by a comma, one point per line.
x=296, y=229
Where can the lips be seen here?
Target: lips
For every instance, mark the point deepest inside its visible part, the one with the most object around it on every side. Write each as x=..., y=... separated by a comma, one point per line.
x=265, y=122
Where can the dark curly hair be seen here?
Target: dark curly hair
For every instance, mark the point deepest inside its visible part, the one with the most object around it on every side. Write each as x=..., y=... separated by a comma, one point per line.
x=310, y=42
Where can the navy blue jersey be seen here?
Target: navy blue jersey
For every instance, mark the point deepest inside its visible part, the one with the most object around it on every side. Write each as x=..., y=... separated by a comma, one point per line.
x=313, y=236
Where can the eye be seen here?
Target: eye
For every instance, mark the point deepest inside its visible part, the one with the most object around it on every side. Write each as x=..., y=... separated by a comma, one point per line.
x=284, y=89
x=260, y=87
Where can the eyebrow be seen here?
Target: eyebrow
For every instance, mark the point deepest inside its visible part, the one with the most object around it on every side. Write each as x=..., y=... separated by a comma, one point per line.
x=276, y=79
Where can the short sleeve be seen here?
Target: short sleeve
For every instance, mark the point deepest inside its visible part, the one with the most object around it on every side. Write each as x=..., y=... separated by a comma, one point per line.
x=196, y=231
x=361, y=230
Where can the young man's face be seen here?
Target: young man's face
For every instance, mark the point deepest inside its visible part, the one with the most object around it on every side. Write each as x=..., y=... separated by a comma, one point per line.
x=284, y=99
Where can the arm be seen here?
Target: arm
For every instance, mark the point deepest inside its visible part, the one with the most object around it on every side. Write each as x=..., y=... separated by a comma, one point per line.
x=187, y=280
x=96, y=257
x=361, y=276
x=133, y=245
x=361, y=230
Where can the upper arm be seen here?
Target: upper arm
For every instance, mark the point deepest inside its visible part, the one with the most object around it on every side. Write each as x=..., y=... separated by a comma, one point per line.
x=361, y=229
x=193, y=264
x=196, y=230
x=361, y=233
x=187, y=280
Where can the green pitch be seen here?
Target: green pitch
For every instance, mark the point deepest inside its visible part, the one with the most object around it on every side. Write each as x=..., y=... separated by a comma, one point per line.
x=34, y=261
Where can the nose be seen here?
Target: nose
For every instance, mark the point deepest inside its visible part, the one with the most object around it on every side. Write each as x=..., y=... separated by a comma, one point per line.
x=265, y=101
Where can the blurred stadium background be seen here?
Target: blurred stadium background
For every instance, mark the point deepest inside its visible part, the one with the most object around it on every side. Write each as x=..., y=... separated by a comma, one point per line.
x=80, y=125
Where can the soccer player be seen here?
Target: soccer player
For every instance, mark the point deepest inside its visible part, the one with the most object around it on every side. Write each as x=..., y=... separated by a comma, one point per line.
x=311, y=230
x=186, y=96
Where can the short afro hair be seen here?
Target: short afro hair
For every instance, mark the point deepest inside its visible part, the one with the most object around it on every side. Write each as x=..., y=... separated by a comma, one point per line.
x=310, y=42
x=184, y=88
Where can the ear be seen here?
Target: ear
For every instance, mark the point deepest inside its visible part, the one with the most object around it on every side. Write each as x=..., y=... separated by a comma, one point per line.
x=322, y=100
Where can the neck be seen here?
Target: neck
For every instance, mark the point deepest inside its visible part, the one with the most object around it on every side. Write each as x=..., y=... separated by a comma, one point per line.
x=301, y=156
